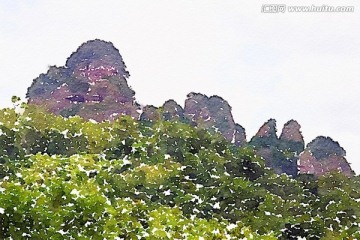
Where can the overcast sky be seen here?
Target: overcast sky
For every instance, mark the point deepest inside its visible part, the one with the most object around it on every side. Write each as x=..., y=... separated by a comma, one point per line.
x=303, y=66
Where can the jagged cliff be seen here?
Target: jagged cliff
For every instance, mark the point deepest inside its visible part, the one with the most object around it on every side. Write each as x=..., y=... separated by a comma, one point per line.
x=214, y=113
x=323, y=155
x=93, y=84
x=281, y=154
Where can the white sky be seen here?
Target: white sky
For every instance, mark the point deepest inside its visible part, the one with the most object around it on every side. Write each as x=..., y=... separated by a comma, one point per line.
x=303, y=66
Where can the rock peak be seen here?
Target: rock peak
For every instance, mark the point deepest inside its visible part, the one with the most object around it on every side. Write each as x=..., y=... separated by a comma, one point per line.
x=291, y=132
x=322, y=147
x=324, y=155
x=214, y=113
x=268, y=129
x=172, y=110
x=95, y=59
x=92, y=84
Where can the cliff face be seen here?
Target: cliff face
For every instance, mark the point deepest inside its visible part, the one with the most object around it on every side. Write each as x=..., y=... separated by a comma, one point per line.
x=286, y=154
x=323, y=155
x=291, y=140
x=170, y=110
x=173, y=111
x=266, y=136
x=278, y=153
x=93, y=84
x=214, y=113
x=97, y=59
x=211, y=113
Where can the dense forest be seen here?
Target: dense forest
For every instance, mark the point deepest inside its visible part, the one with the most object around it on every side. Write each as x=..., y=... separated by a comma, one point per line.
x=72, y=178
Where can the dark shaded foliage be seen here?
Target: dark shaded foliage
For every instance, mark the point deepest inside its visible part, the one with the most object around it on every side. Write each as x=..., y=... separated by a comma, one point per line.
x=129, y=179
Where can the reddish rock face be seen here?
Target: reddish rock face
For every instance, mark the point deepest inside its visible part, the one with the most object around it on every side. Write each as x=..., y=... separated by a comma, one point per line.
x=268, y=129
x=97, y=59
x=266, y=137
x=286, y=154
x=324, y=155
x=95, y=73
x=307, y=163
x=92, y=85
x=291, y=139
x=291, y=132
x=214, y=113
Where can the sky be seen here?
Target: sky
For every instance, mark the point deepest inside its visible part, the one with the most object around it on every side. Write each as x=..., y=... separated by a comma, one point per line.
x=302, y=66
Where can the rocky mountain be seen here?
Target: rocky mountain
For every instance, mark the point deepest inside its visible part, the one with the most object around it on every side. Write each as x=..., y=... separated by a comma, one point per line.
x=169, y=111
x=214, y=114
x=93, y=84
x=279, y=153
x=150, y=113
x=323, y=155
x=286, y=154
x=173, y=111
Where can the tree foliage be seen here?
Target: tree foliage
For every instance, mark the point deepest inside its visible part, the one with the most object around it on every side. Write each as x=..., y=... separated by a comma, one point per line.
x=68, y=178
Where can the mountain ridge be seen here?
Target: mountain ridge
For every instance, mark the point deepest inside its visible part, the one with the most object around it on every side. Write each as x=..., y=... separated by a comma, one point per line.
x=93, y=84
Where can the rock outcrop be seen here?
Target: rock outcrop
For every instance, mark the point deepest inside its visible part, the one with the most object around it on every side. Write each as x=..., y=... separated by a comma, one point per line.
x=239, y=136
x=275, y=151
x=323, y=155
x=291, y=138
x=286, y=154
x=150, y=113
x=211, y=113
x=266, y=136
x=214, y=113
x=92, y=85
x=96, y=60
x=173, y=111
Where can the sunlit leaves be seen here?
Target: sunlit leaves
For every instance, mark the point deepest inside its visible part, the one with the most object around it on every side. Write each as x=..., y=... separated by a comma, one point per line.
x=68, y=178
